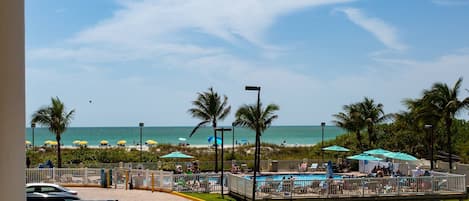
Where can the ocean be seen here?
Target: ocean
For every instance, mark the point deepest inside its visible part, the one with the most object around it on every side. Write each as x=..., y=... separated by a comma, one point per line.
x=301, y=135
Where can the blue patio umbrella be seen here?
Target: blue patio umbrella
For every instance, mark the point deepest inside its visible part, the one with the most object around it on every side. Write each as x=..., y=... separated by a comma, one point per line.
x=176, y=154
x=335, y=148
x=378, y=152
x=401, y=156
x=210, y=140
x=364, y=157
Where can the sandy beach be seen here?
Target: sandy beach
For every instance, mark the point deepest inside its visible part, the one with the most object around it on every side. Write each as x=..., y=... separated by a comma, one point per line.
x=124, y=195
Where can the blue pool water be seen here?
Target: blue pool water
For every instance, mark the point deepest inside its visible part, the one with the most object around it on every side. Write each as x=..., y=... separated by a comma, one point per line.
x=298, y=177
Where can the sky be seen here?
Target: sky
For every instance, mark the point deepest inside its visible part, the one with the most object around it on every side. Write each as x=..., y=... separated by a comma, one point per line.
x=145, y=61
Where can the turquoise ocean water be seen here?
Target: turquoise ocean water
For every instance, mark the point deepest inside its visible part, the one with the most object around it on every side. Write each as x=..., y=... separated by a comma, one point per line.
x=171, y=135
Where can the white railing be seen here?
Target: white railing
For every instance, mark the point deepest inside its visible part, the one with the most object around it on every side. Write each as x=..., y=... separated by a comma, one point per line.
x=64, y=175
x=439, y=184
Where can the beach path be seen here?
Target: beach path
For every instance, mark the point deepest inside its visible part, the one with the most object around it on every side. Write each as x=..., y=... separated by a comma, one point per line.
x=124, y=195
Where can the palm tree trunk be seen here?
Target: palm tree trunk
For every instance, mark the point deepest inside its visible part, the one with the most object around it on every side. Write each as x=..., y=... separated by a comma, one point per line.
x=359, y=139
x=216, y=148
x=370, y=136
x=59, y=155
x=258, y=140
x=449, y=122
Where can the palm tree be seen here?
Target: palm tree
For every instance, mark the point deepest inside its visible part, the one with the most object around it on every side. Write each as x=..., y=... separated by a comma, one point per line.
x=249, y=116
x=352, y=121
x=210, y=108
x=373, y=115
x=444, y=100
x=57, y=119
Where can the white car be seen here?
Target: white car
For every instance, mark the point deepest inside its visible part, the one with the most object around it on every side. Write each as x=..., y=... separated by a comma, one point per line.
x=48, y=191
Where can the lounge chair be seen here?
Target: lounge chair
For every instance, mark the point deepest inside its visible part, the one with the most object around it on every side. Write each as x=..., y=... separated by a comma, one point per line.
x=314, y=167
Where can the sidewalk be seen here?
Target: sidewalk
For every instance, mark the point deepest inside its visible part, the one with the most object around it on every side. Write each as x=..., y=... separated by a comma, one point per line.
x=124, y=195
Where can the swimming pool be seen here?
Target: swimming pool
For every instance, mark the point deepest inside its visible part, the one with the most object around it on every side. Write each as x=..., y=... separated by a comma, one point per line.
x=280, y=177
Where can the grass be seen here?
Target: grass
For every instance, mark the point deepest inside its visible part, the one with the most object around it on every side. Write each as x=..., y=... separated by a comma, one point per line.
x=210, y=196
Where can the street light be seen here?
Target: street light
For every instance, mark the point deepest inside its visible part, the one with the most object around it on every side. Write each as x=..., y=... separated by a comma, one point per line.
x=429, y=128
x=323, y=124
x=222, y=159
x=141, y=128
x=257, y=143
x=33, y=125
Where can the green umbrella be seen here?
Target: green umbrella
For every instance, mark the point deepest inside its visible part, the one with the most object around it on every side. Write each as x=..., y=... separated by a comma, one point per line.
x=335, y=148
x=364, y=157
x=176, y=154
x=401, y=156
x=378, y=152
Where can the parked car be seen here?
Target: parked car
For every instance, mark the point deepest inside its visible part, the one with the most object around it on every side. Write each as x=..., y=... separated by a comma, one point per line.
x=47, y=191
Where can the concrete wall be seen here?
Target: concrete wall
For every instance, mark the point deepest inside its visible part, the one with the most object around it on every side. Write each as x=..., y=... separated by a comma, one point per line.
x=12, y=100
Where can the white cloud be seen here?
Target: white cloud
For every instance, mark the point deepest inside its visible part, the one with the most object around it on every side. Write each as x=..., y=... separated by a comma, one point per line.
x=384, y=32
x=233, y=21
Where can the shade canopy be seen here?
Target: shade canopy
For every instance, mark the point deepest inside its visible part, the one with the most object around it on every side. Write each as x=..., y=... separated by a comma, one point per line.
x=104, y=142
x=378, y=152
x=151, y=142
x=76, y=142
x=182, y=139
x=47, y=141
x=335, y=148
x=176, y=154
x=401, y=156
x=84, y=142
x=27, y=142
x=121, y=142
x=210, y=140
x=364, y=157
x=52, y=143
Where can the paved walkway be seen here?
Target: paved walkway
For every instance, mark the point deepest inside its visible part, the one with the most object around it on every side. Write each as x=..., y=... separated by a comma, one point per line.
x=124, y=195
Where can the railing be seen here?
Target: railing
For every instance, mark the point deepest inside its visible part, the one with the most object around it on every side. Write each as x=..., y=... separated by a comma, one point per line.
x=128, y=178
x=64, y=175
x=440, y=183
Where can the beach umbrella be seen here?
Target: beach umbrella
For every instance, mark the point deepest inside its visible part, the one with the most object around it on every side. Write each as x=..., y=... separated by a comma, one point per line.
x=76, y=142
x=27, y=142
x=53, y=143
x=401, y=156
x=121, y=142
x=104, y=142
x=335, y=148
x=378, y=152
x=182, y=139
x=364, y=157
x=210, y=139
x=176, y=154
x=151, y=142
x=83, y=143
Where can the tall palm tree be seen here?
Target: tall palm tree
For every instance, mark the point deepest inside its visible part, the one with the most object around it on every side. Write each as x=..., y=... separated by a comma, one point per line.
x=57, y=119
x=373, y=114
x=352, y=121
x=444, y=100
x=251, y=117
x=210, y=108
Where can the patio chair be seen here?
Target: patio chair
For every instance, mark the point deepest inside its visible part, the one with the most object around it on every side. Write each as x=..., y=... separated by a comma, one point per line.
x=313, y=167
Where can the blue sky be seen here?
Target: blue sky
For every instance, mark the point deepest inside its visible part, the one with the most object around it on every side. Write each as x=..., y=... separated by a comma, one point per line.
x=144, y=61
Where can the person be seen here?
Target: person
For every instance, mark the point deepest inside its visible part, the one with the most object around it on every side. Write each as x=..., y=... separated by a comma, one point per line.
x=28, y=162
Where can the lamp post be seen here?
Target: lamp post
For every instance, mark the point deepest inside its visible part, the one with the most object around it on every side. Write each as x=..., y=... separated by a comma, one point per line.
x=429, y=128
x=33, y=125
x=323, y=124
x=257, y=144
x=141, y=128
x=222, y=159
